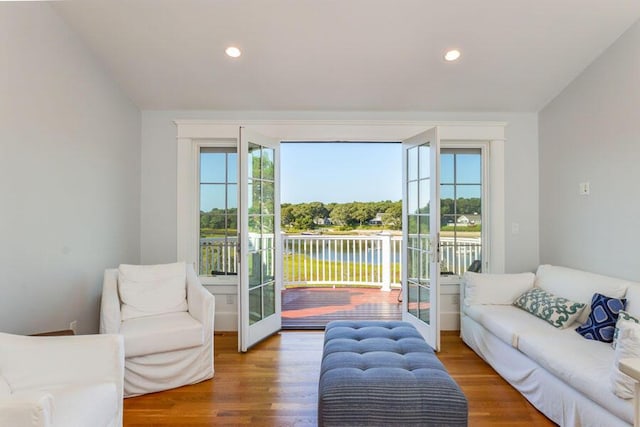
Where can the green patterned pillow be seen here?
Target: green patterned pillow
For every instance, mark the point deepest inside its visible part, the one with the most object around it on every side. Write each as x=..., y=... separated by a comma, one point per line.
x=623, y=316
x=558, y=311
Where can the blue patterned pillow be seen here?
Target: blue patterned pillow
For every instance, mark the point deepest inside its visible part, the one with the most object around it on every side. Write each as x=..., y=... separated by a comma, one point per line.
x=601, y=322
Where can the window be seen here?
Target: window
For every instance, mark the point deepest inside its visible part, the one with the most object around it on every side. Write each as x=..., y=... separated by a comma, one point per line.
x=461, y=213
x=218, y=211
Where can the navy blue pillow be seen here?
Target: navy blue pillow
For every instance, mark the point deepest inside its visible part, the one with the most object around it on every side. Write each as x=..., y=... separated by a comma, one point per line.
x=601, y=323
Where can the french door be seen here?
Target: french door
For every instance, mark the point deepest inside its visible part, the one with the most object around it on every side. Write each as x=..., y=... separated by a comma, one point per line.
x=420, y=230
x=259, y=245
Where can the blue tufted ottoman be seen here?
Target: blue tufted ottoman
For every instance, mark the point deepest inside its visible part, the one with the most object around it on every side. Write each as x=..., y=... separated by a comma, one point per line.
x=384, y=373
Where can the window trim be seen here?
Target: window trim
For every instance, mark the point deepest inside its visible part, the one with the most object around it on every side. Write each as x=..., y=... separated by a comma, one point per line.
x=223, y=149
x=452, y=132
x=487, y=229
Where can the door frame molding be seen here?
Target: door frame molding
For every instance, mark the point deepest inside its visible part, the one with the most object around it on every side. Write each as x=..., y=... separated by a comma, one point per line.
x=189, y=132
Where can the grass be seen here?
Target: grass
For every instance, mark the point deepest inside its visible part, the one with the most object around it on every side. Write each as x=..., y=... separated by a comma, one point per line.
x=293, y=268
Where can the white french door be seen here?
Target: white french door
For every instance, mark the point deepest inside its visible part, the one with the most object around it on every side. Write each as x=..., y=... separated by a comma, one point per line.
x=259, y=245
x=420, y=231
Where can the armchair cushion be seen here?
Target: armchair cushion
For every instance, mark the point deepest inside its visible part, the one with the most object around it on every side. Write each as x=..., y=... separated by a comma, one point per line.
x=85, y=404
x=162, y=333
x=149, y=290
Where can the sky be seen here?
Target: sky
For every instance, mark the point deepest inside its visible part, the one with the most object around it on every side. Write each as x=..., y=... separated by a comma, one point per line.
x=340, y=172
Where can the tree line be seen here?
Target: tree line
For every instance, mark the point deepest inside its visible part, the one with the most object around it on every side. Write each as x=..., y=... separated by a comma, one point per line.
x=308, y=216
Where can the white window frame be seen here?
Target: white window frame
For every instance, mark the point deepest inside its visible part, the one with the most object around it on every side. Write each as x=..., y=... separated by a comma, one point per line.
x=486, y=233
x=192, y=132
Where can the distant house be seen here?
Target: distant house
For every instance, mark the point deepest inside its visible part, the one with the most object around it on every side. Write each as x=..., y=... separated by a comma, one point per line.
x=322, y=221
x=468, y=219
x=377, y=220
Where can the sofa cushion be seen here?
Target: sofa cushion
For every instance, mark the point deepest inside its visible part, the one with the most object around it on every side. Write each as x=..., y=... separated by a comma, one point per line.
x=583, y=364
x=558, y=311
x=628, y=346
x=505, y=321
x=162, y=333
x=623, y=317
x=601, y=322
x=482, y=288
x=579, y=286
x=148, y=290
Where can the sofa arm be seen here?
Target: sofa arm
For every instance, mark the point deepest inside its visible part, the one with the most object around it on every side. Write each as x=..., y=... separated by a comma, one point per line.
x=200, y=301
x=110, y=317
x=29, y=409
x=482, y=288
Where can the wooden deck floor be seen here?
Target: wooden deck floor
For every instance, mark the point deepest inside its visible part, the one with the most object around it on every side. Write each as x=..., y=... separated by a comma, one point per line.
x=311, y=308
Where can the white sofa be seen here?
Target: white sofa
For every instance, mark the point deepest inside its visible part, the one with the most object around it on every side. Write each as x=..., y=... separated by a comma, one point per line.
x=563, y=374
x=67, y=381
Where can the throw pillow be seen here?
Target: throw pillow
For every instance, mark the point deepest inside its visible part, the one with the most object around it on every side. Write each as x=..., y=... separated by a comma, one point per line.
x=148, y=290
x=628, y=347
x=558, y=311
x=623, y=317
x=601, y=323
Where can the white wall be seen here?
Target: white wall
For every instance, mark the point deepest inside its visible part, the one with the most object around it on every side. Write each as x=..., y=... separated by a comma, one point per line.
x=591, y=133
x=158, y=207
x=69, y=174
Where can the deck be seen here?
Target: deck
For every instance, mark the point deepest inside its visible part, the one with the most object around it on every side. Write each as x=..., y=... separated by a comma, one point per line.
x=313, y=308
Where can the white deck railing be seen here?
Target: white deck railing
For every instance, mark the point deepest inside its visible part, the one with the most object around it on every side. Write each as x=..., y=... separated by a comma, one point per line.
x=341, y=260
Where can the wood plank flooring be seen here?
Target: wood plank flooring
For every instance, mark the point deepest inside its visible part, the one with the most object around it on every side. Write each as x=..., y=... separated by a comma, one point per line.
x=276, y=384
x=307, y=307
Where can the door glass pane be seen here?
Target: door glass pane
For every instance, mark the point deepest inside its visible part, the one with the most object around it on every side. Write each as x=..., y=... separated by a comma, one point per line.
x=255, y=268
x=255, y=164
x=424, y=304
x=255, y=305
x=269, y=295
x=412, y=163
x=255, y=226
x=268, y=202
x=425, y=195
x=424, y=227
x=268, y=226
x=412, y=198
x=425, y=161
x=268, y=171
x=412, y=299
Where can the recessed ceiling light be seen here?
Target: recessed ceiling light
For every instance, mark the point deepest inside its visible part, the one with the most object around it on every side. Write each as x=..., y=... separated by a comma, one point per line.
x=233, y=51
x=452, y=55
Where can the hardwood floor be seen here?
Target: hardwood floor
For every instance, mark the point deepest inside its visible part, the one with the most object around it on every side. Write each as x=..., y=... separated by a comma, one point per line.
x=276, y=384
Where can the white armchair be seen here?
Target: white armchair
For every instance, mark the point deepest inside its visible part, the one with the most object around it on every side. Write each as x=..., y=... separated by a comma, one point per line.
x=166, y=318
x=71, y=381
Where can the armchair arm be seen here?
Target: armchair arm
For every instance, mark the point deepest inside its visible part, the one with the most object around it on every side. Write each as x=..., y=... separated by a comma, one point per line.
x=200, y=301
x=31, y=409
x=110, y=318
x=30, y=363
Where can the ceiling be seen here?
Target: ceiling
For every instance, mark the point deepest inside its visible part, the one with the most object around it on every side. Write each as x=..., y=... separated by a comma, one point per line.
x=347, y=55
